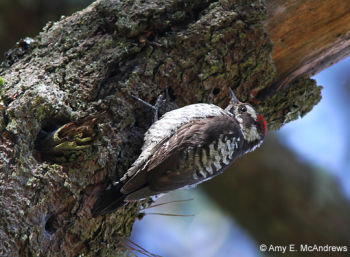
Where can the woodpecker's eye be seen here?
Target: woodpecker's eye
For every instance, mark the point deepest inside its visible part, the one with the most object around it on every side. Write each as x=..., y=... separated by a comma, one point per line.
x=242, y=109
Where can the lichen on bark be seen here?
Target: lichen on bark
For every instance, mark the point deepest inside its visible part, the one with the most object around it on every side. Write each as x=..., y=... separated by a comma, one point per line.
x=291, y=102
x=89, y=65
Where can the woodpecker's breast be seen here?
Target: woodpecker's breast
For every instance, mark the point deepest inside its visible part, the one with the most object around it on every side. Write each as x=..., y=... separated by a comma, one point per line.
x=211, y=160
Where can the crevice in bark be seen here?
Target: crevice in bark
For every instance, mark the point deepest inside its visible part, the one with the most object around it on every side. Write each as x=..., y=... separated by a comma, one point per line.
x=170, y=91
x=50, y=225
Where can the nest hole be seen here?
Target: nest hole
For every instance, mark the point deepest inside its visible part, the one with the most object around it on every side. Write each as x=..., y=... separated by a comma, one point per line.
x=48, y=126
x=216, y=91
x=51, y=224
x=171, y=94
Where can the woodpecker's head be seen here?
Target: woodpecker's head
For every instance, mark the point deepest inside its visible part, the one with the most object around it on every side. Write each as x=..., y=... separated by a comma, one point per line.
x=253, y=124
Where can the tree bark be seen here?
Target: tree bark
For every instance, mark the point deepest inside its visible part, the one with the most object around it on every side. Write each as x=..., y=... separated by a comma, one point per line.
x=72, y=84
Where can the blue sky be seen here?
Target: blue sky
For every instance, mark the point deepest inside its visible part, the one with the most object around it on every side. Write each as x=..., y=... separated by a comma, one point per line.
x=322, y=136
x=207, y=234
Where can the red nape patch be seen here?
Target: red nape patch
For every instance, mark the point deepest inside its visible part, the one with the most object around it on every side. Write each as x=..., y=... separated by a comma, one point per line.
x=262, y=123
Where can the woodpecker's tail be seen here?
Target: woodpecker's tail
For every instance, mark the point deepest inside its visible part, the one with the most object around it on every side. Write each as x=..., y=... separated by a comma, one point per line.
x=108, y=201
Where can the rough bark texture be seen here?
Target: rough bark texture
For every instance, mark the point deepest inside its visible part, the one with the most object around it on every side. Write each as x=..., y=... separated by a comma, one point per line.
x=77, y=76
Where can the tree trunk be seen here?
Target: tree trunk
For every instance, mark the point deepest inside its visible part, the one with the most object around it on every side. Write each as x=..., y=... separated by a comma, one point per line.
x=72, y=85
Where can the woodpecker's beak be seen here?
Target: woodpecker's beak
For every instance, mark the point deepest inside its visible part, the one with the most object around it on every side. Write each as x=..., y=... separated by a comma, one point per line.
x=234, y=98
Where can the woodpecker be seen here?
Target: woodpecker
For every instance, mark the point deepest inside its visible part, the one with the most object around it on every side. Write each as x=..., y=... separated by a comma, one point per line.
x=187, y=146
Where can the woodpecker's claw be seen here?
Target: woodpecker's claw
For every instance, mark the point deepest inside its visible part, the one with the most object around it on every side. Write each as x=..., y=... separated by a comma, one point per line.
x=160, y=101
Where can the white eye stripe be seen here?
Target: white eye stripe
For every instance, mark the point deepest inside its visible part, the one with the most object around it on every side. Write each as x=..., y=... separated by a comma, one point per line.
x=251, y=111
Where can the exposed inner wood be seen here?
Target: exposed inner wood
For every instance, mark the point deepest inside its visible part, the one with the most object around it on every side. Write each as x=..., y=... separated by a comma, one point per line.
x=308, y=36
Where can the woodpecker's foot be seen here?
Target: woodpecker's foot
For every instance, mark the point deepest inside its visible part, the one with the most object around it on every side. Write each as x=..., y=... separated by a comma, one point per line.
x=160, y=101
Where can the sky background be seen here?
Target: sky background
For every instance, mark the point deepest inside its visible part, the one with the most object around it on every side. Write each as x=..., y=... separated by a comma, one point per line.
x=322, y=136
